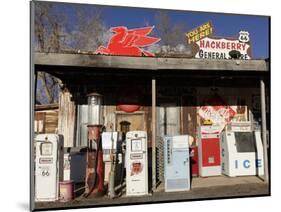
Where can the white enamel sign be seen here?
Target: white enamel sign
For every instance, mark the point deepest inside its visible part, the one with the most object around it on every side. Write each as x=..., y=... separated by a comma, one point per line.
x=213, y=48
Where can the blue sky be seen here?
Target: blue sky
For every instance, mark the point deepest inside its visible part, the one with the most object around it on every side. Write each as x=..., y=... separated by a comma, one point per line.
x=225, y=25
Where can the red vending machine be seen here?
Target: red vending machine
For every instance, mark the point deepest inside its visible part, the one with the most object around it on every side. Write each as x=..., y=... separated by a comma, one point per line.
x=209, y=151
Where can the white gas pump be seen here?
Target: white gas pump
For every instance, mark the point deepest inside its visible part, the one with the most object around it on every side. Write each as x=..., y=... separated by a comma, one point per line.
x=136, y=163
x=242, y=150
x=48, y=166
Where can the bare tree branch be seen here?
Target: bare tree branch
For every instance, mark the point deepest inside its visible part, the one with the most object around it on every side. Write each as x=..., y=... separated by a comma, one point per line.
x=171, y=33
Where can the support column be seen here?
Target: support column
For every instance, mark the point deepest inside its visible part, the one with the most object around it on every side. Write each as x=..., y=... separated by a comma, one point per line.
x=263, y=117
x=153, y=134
x=66, y=118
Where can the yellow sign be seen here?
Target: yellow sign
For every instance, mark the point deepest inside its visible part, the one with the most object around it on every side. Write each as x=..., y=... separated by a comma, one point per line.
x=200, y=32
x=208, y=122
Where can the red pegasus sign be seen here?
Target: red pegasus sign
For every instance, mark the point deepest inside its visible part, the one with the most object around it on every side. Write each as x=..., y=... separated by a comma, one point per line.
x=129, y=42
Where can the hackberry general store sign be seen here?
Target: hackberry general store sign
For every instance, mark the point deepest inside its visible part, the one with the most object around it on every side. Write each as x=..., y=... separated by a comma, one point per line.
x=222, y=48
x=206, y=46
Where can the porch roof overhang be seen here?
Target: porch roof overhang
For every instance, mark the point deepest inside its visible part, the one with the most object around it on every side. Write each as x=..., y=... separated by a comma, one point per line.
x=147, y=63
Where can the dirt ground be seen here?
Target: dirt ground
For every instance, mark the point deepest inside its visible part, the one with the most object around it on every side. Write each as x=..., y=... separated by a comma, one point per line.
x=202, y=188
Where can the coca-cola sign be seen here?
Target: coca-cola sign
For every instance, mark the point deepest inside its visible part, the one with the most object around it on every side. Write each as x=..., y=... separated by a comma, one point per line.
x=218, y=111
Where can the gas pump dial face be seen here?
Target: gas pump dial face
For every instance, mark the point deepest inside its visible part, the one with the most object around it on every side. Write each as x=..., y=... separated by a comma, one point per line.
x=46, y=148
x=136, y=145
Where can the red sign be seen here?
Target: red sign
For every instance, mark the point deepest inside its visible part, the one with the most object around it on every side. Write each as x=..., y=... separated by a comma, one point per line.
x=129, y=42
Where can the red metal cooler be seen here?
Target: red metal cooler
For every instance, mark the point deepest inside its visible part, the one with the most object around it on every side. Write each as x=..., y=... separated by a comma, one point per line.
x=209, y=151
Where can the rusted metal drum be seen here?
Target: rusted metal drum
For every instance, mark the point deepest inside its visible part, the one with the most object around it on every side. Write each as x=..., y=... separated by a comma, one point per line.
x=66, y=190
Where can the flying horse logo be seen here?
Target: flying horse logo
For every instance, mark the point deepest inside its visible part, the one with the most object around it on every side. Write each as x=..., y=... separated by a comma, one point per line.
x=129, y=42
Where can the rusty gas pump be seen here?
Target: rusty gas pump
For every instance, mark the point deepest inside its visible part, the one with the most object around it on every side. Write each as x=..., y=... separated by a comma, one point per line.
x=94, y=185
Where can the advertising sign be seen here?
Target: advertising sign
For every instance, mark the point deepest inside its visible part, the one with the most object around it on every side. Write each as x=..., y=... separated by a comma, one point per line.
x=217, y=111
x=129, y=42
x=206, y=46
x=200, y=32
x=222, y=48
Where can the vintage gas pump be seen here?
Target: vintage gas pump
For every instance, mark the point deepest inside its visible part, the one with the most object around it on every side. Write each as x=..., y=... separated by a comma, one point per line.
x=136, y=163
x=48, y=166
x=209, y=151
x=242, y=150
x=94, y=170
x=113, y=158
x=177, y=163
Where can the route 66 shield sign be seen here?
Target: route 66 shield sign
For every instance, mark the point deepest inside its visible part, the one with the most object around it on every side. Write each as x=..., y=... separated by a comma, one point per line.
x=244, y=36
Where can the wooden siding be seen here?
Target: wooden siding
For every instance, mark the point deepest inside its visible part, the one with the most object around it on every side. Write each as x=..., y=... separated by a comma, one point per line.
x=46, y=118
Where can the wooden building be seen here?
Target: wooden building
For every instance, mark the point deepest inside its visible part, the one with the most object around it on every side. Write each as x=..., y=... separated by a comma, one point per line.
x=170, y=92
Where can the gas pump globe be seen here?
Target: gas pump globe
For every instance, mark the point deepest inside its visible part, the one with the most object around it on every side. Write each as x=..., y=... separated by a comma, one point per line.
x=95, y=109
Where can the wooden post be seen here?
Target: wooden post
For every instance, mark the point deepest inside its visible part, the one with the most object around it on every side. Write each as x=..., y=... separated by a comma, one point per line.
x=263, y=117
x=153, y=134
x=35, y=86
x=66, y=119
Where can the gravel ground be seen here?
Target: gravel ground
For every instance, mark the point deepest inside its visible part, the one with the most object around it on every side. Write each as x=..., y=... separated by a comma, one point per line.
x=239, y=190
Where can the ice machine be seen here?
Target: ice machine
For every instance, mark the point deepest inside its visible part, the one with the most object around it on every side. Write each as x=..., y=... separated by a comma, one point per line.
x=242, y=150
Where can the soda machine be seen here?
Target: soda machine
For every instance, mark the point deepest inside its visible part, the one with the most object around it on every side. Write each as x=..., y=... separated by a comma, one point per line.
x=48, y=166
x=209, y=151
x=176, y=163
x=136, y=163
x=242, y=150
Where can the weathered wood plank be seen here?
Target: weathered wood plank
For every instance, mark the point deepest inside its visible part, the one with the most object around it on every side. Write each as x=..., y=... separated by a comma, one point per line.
x=150, y=63
x=66, y=118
